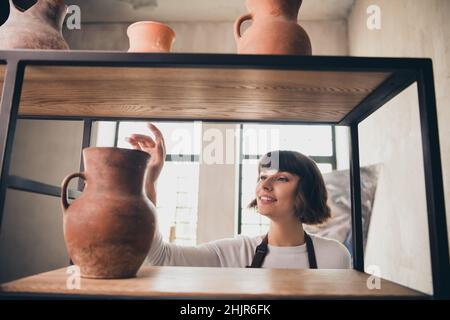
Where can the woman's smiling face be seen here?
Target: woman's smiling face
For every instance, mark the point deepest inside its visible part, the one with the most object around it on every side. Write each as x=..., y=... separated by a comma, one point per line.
x=276, y=192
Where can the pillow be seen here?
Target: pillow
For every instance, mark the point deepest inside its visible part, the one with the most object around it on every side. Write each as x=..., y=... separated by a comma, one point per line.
x=339, y=226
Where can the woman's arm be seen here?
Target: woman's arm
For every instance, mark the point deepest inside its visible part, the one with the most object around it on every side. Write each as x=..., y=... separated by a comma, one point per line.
x=162, y=253
x=157, y=151
x=150, y=191
x=167, y=254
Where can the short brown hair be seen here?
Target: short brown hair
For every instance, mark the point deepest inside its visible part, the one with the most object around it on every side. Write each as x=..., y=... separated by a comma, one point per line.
x=311, y=202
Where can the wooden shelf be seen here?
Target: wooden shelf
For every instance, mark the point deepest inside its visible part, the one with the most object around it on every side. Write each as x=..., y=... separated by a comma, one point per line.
x=93, y=85
x=195, y=93
x=215, y=283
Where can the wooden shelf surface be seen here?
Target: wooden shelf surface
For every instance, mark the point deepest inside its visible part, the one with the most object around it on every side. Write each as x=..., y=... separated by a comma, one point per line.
x=187, y=93
x=215, y=283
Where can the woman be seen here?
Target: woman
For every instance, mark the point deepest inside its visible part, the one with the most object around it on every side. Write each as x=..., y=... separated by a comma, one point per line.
x=290, y=191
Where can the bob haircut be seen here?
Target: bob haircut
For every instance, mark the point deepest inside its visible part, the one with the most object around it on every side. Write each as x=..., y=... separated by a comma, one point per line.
x=311, y=201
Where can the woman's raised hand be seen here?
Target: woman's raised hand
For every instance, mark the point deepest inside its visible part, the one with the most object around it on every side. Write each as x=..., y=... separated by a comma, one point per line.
x=155, y=148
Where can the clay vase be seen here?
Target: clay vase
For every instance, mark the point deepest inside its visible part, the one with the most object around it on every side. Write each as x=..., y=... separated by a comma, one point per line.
x=39, y=27
x=150, y=36
x=109, y=229
x=274, y=29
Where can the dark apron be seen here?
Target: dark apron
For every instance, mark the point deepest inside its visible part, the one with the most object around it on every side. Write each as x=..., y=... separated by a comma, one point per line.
x=262, y=249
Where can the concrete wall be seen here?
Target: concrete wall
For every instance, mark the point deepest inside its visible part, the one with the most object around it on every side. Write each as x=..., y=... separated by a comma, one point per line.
x=398, y=237
x=327, y=37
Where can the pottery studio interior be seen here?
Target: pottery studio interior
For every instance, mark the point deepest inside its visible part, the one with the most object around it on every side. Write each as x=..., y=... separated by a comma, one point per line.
x=227, y=149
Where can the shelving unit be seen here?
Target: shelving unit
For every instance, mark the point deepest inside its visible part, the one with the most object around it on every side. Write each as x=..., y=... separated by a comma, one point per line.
x=343, y=91
x=216, y=283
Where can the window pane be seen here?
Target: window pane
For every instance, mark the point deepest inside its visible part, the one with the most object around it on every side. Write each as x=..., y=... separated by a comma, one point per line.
x=177, y=202
x=184, y=231
x=185, y=215
x=313, y=140
x=251, y=216
x=325, y=167
x=252, y=230
x=106, y=131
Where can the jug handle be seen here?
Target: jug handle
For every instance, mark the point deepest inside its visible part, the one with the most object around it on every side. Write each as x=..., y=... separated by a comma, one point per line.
x=64, y=201
x=238, y=23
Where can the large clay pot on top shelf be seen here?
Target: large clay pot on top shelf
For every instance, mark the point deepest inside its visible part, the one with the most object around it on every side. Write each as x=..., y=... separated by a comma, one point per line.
x=274, y=29
x=39, y=27
x=109, y=229
x=150, y=36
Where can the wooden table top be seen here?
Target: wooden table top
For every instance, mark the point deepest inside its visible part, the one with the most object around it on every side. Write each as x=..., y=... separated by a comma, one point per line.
x=214, y=283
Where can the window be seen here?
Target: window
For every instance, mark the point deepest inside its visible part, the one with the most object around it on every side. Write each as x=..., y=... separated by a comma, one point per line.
x=177, y=186
x=316, y=141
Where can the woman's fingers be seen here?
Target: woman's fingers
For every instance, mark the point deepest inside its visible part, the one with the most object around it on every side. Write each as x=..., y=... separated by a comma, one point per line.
x=133, y=143
x=158, y=135
x=145, y=140
x=142, y=147
x=159, y=138
x=146, y=143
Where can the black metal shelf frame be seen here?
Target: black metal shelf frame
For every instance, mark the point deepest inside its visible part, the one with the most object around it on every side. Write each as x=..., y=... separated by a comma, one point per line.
x=405, y=71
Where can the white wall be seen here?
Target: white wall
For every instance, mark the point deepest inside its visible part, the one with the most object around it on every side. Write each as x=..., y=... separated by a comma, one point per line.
x=398, y=238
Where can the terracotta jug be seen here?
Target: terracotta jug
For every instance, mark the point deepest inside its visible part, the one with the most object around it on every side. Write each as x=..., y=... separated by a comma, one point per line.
x=39, y=27
x=150, y=36
x=274, y=29
x=109, y=229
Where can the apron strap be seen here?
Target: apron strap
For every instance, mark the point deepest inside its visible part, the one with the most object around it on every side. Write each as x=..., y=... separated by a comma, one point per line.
x=260, y=253
x=262, y=249
x=311, y=254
